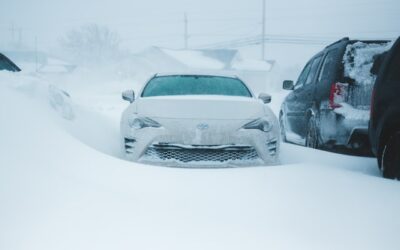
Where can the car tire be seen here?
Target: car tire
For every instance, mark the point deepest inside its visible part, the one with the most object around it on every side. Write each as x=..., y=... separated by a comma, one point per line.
x=390, y=158
x=312, y=137
x=282, y=128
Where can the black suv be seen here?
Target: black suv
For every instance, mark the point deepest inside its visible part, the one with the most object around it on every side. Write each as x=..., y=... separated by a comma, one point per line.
x=384, y=126
x=7, y=64
x=330, y=102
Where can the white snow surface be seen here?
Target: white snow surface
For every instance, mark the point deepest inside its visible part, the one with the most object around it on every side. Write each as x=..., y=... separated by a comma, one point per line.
x=63, y=185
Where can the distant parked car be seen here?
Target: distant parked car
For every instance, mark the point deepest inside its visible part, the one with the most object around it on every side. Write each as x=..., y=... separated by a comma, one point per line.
x=329, y=104
x=58, y=98
x=384, y=126
x=199, y=120
x=7, y=64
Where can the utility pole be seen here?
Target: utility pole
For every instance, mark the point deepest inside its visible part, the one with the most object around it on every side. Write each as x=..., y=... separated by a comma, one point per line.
x=19, y=38
x=263, y=30
x=36, y=54
x=12, y=30
x=186, y=32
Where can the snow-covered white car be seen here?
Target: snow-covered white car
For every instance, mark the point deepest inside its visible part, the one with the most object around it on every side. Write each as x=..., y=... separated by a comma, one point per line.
x=199, y=120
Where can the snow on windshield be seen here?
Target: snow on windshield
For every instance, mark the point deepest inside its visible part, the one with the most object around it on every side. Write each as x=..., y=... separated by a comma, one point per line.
x=359, y=58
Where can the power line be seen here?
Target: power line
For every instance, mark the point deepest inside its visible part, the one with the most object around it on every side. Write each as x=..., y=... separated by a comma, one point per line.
x=280, y=39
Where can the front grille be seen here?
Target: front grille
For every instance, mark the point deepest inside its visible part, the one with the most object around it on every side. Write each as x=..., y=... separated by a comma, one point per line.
x=129, y=145
x=221, y=154
x=271, y=145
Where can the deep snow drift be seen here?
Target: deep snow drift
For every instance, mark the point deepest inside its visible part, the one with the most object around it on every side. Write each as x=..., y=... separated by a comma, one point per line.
x=62, y=186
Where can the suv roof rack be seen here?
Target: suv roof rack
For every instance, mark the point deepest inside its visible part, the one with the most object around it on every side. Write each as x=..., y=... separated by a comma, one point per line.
x=339, y=41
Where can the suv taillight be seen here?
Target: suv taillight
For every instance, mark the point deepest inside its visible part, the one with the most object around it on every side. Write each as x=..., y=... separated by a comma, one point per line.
x=338, y=94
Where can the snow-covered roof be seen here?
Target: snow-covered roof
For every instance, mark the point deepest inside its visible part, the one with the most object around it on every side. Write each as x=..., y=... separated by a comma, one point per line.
x=252, y=65
x=217, y=59
x=194, y=59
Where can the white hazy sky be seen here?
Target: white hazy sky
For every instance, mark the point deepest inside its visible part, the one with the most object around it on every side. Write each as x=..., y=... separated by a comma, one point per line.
x=156, y=22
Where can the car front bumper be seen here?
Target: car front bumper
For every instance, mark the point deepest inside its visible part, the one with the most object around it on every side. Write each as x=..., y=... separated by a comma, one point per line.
x=180, y=148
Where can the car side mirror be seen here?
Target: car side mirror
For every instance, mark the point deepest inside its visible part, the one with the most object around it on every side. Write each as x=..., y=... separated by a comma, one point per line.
x=265, y=98
x=128, y=95
x=288, y=85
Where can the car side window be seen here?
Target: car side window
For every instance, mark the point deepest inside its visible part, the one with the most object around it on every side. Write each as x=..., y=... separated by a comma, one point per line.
x=314, y=70
x=326, y=73
x=303, y=76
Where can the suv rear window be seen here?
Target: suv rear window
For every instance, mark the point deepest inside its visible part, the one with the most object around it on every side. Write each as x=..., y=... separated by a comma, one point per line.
x=359, y=58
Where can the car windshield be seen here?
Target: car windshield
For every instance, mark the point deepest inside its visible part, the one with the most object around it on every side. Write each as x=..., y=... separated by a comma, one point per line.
x=195, y=85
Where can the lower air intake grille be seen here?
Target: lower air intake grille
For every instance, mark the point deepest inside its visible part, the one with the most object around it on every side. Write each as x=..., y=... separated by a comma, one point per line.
x=203, y=154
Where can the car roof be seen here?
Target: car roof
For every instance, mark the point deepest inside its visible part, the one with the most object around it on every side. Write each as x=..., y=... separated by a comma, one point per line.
x=16, y=68
x=347, y=40
x=196, y=74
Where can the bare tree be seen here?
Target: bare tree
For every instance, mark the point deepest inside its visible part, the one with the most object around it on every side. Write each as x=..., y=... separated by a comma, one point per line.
x=92, y=44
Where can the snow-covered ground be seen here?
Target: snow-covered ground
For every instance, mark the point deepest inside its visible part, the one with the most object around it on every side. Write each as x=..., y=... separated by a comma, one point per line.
x=63, y=185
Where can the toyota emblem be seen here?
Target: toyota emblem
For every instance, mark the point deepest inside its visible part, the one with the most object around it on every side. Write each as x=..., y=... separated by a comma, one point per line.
x=202, y=126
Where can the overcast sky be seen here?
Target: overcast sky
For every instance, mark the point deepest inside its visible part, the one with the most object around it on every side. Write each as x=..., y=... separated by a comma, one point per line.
x=155, y=22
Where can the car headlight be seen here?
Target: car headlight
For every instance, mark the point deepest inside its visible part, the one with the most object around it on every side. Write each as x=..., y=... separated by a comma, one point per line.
x=143, y=122
x=260, y=124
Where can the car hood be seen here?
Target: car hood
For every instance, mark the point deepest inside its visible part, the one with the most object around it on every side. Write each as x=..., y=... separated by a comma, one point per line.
x=200, y=107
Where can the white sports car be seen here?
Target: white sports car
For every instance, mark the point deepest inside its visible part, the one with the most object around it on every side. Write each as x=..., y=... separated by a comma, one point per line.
x=199, y=120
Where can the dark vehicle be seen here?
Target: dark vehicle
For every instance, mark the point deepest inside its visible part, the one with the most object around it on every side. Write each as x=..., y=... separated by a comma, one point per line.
x=384, y=126
x=7, y=64
x=330, y=102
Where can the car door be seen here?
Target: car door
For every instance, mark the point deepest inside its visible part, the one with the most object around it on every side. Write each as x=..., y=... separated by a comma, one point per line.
x=293, y=104
x=306, y=94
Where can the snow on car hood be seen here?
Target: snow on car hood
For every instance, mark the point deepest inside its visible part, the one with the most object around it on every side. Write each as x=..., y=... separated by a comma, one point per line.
x=200, y=107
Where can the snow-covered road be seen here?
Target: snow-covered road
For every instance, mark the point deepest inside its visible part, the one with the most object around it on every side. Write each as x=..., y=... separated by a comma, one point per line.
x=62, y=186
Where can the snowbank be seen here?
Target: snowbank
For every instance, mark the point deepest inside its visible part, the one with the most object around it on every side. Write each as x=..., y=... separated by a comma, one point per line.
x=59, y=193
